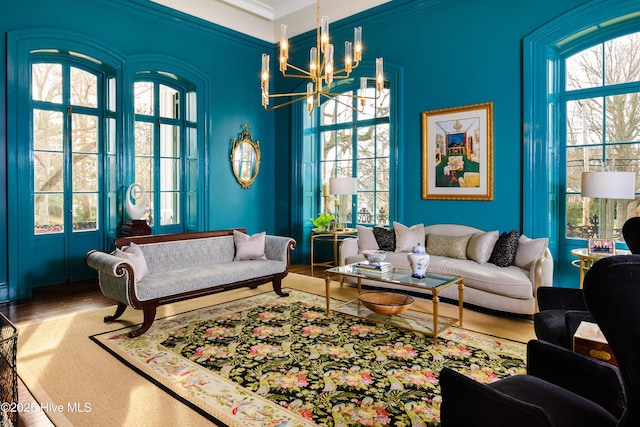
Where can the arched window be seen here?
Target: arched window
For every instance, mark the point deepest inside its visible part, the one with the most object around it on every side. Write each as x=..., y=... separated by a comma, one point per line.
x=578, y=116
x=601, y=103
x=164, y=117
x=356, y=141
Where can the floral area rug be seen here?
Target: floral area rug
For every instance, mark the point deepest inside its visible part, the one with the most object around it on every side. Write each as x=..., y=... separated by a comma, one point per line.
x=271, y=361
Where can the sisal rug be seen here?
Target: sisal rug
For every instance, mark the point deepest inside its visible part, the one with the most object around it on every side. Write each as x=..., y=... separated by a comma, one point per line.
x=269, y=361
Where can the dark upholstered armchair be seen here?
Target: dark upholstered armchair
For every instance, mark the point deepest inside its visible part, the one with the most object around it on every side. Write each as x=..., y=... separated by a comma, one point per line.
x=561, y=311
x=563, y=388
x=631, y=234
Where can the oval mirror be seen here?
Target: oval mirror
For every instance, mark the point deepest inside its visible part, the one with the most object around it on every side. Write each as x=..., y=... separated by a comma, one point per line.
x=245, y=158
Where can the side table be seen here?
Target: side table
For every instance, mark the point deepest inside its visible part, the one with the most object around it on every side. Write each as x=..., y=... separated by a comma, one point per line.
x=590, y=341
x=586, y=260
x=329, y=236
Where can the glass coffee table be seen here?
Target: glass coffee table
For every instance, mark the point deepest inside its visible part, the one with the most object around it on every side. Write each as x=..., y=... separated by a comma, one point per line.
x=400, y=279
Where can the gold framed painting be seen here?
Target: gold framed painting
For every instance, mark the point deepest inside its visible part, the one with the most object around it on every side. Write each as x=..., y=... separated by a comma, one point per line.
x=457, y=153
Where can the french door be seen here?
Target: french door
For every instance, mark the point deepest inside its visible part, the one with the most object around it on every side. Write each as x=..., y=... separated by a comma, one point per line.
x=67, y=122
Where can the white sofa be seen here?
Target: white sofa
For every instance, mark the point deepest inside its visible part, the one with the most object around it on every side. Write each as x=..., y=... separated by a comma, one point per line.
x=509, y=289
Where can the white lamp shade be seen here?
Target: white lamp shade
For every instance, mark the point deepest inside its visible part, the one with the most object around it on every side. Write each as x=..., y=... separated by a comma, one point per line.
x=609, y=185
x=343, y=185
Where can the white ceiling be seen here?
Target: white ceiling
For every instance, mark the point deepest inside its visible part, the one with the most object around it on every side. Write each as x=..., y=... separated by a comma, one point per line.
x=262, y=18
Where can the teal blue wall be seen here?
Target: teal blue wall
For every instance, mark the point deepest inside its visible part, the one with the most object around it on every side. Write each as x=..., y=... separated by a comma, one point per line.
x=229, y=59
x=451, y=53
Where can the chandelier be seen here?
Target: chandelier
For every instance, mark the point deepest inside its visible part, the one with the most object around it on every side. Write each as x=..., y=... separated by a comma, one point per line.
x=321, y=71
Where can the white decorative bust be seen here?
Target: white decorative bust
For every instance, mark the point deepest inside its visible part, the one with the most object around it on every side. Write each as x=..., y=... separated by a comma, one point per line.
x=136, y=201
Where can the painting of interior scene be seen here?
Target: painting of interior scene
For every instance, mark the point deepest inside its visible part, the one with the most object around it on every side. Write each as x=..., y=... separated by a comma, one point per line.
x=457, y=151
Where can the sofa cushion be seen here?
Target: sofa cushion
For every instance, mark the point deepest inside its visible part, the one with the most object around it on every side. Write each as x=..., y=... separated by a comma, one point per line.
x=481, y=246
x=386, y=238
x=204, y=277
x=408, y=237
x=529, y=250
x=509, y=281
x=504, y=251
x=449, y=246
x=134, y=255
x=366, y=239
x=249, y=247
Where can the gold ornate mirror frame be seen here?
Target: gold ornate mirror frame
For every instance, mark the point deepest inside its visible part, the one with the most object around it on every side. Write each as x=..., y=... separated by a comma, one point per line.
x=245, y=158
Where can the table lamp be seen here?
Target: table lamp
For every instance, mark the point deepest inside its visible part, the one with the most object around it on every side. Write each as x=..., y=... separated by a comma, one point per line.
x=342, y=186
x=608, y=185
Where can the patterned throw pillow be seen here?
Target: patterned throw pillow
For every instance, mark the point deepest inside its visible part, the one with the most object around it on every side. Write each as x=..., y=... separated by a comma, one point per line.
x=504, y=252
x=386, y=238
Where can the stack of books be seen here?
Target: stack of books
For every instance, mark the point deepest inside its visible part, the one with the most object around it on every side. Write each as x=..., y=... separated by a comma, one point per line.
x=375, y=270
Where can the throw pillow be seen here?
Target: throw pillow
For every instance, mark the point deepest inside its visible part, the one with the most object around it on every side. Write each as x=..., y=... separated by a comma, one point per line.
x=249, y=247
x=481, y=246
x=366, y=239
x=504, y=251
x=448, y=246
x=529, y=250
x=386, y=238
x=134, y=255
x=408, y=237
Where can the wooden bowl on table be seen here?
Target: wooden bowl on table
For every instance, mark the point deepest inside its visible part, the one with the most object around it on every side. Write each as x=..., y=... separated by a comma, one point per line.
x=386, y=303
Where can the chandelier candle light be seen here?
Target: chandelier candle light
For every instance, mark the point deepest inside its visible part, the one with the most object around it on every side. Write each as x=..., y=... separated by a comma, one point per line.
x=321, y=68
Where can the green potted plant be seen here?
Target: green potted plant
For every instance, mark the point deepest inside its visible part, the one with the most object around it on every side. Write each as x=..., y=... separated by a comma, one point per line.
x=323, y=221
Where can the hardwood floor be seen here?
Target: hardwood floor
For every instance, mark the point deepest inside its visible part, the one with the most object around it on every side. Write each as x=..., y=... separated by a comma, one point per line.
x=69, y=298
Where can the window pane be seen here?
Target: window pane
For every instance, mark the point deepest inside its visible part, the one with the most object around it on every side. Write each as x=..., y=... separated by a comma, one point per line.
x=85, y=212
x=48, y=213
x=382, y=174
x=85, y=172
x=170, y=208
x=580, y=159
x=169, y=102
x=143, y=98
x=46, y=83
x=144, y=139
x=622, y=58
x=623, y=118
x=47, y=171
x=84, y=135
x=382, y=208
x=584, y=121
x=47, y=130
x=382, y=141
x=144, y=172
x=584, y=69
x=169, y=177
x=366, y=174
x=84, y=88
x=328, y=145
x=344, y=108
x=328, y=113
x=366, y=142
x=169, y=141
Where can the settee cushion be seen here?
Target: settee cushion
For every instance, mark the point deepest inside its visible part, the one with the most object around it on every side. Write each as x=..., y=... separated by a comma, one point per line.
x=134, y=255
x=449, y=246
x=529, y=250
x=249, y=247
x=504, y=251
x=201, y=277
x=408, y=237
x=481, y=246
x=386, y=238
